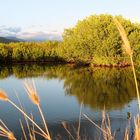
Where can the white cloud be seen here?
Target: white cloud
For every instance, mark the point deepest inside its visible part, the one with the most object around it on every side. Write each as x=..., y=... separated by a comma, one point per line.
x=135, y=19
x=31, y=33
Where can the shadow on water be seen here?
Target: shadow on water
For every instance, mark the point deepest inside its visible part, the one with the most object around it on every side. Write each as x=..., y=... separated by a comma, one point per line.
x=96, y=88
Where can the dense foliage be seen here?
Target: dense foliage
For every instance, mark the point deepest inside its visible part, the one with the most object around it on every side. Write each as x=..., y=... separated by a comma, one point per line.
x=94, y=40
x=29, y=52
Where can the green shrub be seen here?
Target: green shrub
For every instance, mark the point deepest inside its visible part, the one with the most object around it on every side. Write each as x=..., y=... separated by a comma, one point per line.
x=97, y=36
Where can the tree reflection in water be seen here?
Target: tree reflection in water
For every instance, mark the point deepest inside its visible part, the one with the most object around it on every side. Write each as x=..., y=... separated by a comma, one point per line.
x=97, y=88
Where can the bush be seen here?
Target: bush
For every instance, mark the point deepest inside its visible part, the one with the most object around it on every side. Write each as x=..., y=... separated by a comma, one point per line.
x=97, y=36
x=4, y=53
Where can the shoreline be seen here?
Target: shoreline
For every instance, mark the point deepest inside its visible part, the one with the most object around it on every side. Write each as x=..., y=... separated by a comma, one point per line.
x=73, y=64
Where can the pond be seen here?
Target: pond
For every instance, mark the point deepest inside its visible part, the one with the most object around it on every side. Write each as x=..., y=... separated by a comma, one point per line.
x=63, y=91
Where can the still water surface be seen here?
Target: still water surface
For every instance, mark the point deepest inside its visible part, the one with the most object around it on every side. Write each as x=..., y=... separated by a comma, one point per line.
x=62, y=90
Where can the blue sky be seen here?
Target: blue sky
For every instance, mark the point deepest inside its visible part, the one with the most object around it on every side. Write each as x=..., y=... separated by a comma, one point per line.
x=55, y=15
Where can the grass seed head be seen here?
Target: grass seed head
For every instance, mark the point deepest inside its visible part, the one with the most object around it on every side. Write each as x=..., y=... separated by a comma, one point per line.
x=3, y=96
x=11, y=136
x=32, y=93
x=5, y=132
x=124, y=37
x=35, y=99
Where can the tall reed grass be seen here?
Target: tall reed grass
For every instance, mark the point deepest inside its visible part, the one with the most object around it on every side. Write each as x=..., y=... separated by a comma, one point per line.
x=32, y=93
x=129, y=51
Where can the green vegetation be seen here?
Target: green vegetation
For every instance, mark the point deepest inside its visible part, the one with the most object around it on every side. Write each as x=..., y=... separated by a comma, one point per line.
x=29, y=52
x=97, y=40
x=94, y=40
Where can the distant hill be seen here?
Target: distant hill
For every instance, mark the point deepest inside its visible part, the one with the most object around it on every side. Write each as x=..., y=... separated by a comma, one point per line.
x=10, y=39
x=6, y=40
x=37, y=38
x=14, y=38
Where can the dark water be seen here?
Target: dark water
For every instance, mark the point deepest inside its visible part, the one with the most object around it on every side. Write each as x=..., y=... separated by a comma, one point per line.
x=62, y=90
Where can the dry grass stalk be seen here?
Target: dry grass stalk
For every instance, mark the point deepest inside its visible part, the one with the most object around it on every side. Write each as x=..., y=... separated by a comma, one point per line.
x=94, y=123
x=126, y=136
x=26, y=120
x=65, y=127
x=42, y=116
x=33, y=130
x=129, y=52
x=23, y=113
x=32, y=93
x=105, y=129
x=137, y=127
x=36, y=132
x=79, y=122
x=23, y=131
x=5, y=132
x=106, y=126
